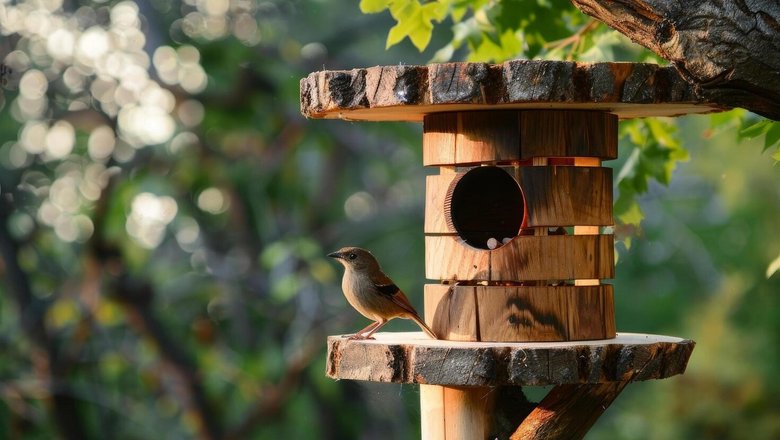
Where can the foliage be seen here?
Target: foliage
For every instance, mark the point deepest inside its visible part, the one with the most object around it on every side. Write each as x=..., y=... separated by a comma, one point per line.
x=495, y=31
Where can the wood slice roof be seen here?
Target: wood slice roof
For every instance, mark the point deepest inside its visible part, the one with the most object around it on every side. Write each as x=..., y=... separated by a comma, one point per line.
x=408, y=93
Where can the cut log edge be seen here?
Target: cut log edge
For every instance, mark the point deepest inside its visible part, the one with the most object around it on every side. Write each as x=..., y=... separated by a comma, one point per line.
x=408, y=93
x=415, y=358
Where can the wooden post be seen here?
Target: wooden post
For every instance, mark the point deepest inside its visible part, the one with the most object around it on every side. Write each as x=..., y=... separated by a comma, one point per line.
x=513, y=238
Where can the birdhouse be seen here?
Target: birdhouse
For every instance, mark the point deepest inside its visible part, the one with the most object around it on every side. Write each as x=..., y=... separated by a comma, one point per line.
x=518, y=244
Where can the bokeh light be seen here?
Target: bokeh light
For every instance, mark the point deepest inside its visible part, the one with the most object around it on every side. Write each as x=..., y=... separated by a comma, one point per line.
x=149, y=216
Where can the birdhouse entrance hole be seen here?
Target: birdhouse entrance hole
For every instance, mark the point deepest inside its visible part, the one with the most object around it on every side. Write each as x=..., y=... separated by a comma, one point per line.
x=485, y=206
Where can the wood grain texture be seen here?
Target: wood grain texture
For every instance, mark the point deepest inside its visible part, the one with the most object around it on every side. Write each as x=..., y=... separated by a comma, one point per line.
x=524, y=258
x=554, y=257
x=432, y=412
x=487, y=137
x=448, y=258
x=408, y=93
x=554, y=196
x=728, y=51
x=469, y=138
x=545, y=313
x=557, y=133
x=437, y=187
x=451, y=312
x=568, y=411
x=520, y=313
x=468, y=412
x=439, y=133
x=567, y=196
x=415, y=358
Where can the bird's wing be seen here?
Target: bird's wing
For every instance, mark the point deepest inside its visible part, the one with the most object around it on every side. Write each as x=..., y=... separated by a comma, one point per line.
x=386, y=287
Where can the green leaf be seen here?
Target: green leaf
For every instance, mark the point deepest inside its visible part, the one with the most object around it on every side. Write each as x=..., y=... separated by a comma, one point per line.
x=754, y=130
x=414, y=21
x=633, y=215
x=374, y=6
x=396, y=34
x=773, y=267
x=772, y=136
x=421, y=35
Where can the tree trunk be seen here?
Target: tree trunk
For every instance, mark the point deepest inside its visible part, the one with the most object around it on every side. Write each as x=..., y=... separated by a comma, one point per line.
x=729, y=50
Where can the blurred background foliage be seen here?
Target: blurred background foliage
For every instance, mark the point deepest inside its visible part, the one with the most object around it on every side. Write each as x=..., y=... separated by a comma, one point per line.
x=165, y=212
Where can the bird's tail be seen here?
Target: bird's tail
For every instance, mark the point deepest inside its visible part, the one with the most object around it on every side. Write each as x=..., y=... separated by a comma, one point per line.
x=423, y=326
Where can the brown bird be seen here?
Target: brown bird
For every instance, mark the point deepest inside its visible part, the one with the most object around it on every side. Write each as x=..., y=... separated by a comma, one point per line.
x=372, y=293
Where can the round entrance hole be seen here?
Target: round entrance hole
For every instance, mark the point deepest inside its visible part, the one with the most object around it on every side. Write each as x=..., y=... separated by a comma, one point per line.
x=483, y=204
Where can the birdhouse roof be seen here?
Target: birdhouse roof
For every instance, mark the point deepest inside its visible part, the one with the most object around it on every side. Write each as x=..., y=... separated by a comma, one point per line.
x=408, y=93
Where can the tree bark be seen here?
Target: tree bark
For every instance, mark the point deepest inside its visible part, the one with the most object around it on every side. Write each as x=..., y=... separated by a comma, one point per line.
x=728, y=50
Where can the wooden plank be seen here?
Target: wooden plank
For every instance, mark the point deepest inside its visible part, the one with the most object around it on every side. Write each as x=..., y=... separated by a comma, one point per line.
x=439, y=136
x=524, y=258
x=448, y=258
x=414, y=358
x=526, y=314
x=567, y=196
x=609, y=305
x=468, y=412
x=543, y=313
x=586, y=230
x=451, y=311
x=628, y=90
x=590, y=308
x=559, y=133
x=432, y=412
x=436, y=189
x=488, y=137
x=553, y=257
x=568, y=411
x=554, y=197
x=589, y=230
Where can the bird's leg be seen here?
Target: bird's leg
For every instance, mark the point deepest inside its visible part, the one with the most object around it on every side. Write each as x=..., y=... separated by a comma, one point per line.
x=380, y=324
x=359, y=335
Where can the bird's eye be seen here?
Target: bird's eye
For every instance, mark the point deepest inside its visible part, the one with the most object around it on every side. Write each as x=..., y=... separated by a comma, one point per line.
x=352, y=256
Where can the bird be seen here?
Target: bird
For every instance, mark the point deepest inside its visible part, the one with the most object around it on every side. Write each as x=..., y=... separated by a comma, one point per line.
x=372, y=293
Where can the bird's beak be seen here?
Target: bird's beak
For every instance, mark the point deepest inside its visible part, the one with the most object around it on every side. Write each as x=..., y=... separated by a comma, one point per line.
x=336, y=255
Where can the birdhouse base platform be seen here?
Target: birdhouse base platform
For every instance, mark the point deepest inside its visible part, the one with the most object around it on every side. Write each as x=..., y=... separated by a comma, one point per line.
x=413, y=357
x=473, y=390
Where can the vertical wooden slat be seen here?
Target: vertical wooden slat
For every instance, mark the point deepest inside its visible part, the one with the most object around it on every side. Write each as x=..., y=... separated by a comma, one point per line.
x=522, y=314
x=436, y=188
x=609, y=309
x=448, y=258
x=567, y=133
x=487, y=137
x=567, y=196
x=585, y=230
x=451, y=311
x=439, y=133
x=586, y=314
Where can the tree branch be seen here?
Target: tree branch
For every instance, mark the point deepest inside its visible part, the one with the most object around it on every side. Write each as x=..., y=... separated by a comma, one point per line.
x=730, y=51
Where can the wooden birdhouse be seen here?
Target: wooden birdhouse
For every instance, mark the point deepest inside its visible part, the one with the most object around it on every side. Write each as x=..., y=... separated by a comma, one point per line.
x=518, y=248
